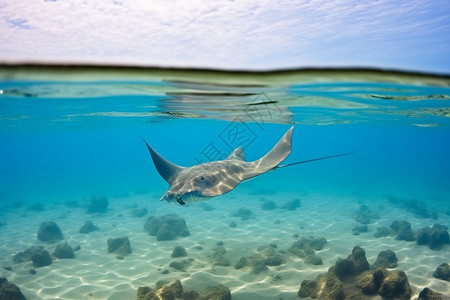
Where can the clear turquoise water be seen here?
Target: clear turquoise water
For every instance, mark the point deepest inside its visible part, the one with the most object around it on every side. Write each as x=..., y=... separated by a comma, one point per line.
x=71, y=133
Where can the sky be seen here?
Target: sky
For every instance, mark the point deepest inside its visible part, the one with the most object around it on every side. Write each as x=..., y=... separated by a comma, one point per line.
x=241, y=34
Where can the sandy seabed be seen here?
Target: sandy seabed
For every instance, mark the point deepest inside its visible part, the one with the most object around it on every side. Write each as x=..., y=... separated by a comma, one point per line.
x=96, y=274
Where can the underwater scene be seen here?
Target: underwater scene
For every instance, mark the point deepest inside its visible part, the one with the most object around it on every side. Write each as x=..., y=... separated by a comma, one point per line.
x=146, y=183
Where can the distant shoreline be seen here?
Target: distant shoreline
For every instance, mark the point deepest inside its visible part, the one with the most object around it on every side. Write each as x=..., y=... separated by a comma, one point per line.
x=75, y=71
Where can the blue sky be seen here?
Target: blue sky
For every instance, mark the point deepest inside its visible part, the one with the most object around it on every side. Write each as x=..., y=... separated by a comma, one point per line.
x=400, y=34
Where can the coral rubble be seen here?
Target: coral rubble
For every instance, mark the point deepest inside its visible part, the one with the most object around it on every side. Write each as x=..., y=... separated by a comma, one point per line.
x=351, y=278
x=120, y=246
x=10, y=291
x=174, y=290
x=166, y=227
x=49, y=232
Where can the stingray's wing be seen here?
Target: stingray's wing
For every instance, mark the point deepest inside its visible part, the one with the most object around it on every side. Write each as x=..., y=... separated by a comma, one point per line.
x=272, y=159
x=221, y=177
x=165, y=168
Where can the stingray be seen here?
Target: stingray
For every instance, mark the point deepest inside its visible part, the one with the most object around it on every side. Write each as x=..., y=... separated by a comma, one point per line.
x=215, y=178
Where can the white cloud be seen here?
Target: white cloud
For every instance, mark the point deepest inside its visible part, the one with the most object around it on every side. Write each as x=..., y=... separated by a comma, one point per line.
x=227, y=34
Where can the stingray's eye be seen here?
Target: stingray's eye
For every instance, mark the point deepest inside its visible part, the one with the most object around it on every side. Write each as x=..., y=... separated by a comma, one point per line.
x=202, y=178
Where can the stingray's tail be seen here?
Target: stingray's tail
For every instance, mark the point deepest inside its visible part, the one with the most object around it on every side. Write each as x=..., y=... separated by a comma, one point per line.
x=314, y=159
